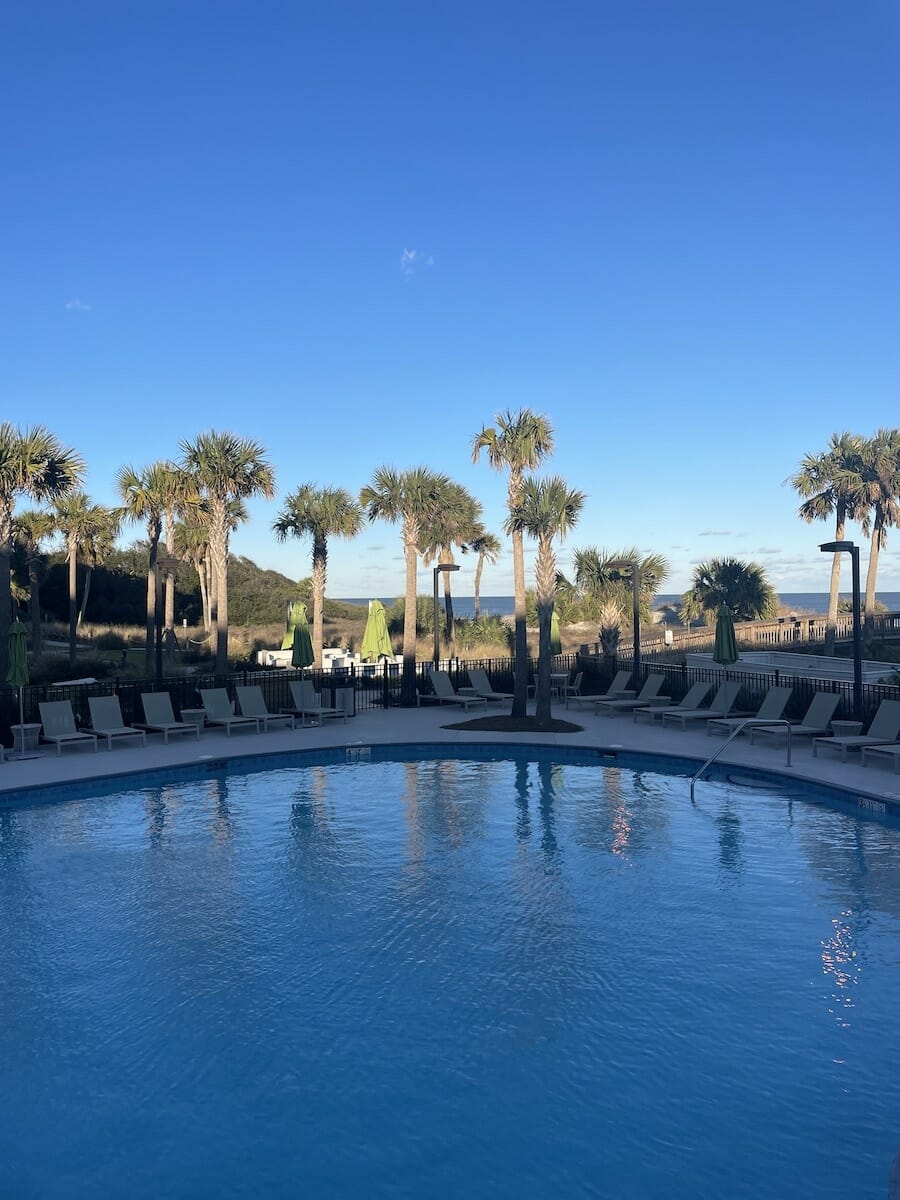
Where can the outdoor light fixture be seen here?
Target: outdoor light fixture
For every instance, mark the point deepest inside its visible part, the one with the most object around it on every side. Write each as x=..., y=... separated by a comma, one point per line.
x=852, y=549
x=634, y=566
x=437, y=635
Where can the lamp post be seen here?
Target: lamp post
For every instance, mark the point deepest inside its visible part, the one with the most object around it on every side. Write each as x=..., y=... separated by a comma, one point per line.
x=436, y=657
x=852, y=549
x=634, y=566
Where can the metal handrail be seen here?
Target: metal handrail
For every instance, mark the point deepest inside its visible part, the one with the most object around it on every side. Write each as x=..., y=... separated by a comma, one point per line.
x=739, y=729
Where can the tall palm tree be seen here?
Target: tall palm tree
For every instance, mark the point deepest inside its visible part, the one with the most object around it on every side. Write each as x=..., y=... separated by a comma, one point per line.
x=224, y=467
x=518, y=442
x=31, y=529
x=487, y=547
x=829, y=484
x=413, y=498
x=319, y=513
x=878, y=491
x=34, y=463
x=82, y=524
x=455, y=524
x=178, y=494
x=97, y=547
x=547, y=509
x=741, y=586
x=144, y=495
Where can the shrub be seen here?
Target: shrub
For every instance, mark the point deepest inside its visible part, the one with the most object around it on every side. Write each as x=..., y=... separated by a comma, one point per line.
x=110, y=641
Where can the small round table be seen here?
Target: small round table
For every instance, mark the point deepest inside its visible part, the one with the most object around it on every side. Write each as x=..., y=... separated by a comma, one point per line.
x=25, y=740
x=846, y=728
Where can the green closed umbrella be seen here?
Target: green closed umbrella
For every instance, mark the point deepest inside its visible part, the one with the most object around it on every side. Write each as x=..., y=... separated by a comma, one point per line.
x=725, y=651
x=301, y=647
x=555, y=639
x=376, y=639
x=17, y=675
x=288, y=640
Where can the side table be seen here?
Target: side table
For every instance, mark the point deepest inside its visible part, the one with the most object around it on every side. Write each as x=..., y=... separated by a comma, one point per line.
x=25, y=740
x=846, y=728
x=194, y=716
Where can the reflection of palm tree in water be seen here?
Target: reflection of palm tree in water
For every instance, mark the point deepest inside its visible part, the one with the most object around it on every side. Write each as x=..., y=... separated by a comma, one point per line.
x=731, y=839
x=620, y=820
x=523, y=819
x=551, y=776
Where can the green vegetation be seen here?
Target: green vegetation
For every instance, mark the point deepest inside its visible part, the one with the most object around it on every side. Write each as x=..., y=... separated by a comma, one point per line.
x=741, y=586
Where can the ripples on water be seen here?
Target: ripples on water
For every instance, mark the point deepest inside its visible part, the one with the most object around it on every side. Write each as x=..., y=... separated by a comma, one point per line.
x=447, y=979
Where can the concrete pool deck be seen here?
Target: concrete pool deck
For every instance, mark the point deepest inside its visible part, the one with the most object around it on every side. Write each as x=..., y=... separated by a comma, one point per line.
x=429, y=725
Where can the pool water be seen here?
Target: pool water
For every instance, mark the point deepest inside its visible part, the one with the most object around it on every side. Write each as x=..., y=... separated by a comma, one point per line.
x=501, y=978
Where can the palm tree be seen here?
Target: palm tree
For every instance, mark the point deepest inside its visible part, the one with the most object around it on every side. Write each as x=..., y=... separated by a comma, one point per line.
x=82, y=524
x=31, y=529
x=487, y=547
x=878, y=491
x=741, y=586
x=33, y=462
x=320, y=513
x=413, y=498
x=605, y=589
x=517, y=443
x=97, y=546
x=829, y=484
x=178, y=495
x=547, y=509
x=144, y=495
x=455, y=524
x=224, y=467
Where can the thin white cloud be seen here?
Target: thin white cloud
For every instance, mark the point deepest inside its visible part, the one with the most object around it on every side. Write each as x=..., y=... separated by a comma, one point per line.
x=76, y=304
x=714, y=533
x=412, y=260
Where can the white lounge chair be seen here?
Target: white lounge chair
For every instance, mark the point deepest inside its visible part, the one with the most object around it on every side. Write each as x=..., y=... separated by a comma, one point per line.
x=107, y=721
x=572, y=690
x=481, y=685
x=252, y=703
x=692, y=698
x=770, y=710
x=617, y=690
x=647, y=695
x=218, y=711
x=308, y=703
x=446, y=693
x=159, y=717
x=721, y=706
x=813, y=723
x=885, y=728
x=58, y=725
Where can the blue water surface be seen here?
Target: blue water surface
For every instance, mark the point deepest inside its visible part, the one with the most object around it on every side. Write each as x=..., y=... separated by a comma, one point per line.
x=460, y=978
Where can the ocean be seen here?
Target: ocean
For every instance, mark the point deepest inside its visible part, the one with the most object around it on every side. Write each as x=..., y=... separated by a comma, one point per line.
x=503, y=606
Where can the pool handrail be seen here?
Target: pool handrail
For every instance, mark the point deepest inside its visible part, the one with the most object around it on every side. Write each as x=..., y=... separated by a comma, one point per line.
x=735, y=732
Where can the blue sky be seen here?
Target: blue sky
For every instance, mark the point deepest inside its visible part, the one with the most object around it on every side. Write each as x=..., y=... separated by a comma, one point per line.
x=356, y=232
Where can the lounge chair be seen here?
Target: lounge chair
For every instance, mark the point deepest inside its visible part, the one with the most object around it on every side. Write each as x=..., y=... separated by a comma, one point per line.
x=813, y=723
x=481, y=685
x=889, y=751
x=218, y=711
x=616, y=690
x=159, y=717
x=107, y=721
x=721, y=706
x=308, y=703
x=692, y=698
x=770, y=710
x=646, y=696
x=885, y=728
x=445, y=693
x=58, y=725
x=252, y=703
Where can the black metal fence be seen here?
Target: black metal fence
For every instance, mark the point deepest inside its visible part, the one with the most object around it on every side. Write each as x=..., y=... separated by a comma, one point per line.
x=359, y=691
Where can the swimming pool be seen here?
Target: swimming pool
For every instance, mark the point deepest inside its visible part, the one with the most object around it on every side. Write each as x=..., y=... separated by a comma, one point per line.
x=526, y=975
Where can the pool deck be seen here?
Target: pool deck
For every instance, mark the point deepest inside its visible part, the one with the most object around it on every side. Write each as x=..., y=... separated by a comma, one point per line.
x=429, y=725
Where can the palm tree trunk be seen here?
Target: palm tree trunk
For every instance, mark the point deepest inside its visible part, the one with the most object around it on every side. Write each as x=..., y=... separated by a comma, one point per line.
x=834, y=587
x=84, y=595
x=6, y=539
x=545, y=580
x=203, y=577
x=520, y=673
x=73, y=603
x=479, y=566
x=410, y=546
x=218, y=545
x=151, y=622
x=872, y=572
x=34, y=587
x=170, y=585
x=447, y=557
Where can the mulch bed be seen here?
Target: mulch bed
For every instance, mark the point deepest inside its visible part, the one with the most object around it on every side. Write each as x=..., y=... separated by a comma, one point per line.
x=516, y=725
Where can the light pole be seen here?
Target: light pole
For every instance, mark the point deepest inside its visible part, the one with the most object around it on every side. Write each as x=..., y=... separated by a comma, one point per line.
x=436, y=657
x=634, y=566
x=852, y=549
